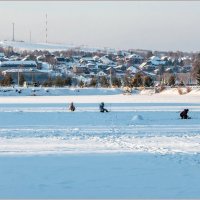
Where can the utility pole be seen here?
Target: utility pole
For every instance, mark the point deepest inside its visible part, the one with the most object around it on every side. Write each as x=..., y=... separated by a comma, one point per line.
x=13, y=39
x=18, y=75
x=111, y=77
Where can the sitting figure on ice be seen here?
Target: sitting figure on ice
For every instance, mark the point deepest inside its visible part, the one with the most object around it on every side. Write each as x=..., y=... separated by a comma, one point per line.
x=101, y=107
x=71, y=107
x=184, y=114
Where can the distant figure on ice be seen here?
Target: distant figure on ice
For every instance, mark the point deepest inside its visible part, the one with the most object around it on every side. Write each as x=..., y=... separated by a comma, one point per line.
x=101, y=107
x=184, y=114
x=72, y=107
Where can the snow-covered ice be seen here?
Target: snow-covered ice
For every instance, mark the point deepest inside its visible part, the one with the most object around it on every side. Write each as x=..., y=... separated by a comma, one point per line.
x=140, y=149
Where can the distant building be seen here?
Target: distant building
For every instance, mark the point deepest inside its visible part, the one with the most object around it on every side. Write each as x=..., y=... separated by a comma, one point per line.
x=79, y=69
x=101, y=73
x=134, y=59
x=2, y=55
x=30, y=75
x=132, y=70
x=17, y=64
x=60, y=60
x=154, y=60
x=106, y=60
x=111, y=71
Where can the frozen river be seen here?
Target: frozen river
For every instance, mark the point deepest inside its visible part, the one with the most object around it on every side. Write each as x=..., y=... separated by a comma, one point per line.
x=138, y=150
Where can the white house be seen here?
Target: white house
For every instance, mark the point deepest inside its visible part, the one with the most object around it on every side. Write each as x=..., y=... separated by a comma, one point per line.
x=132, y=70
x=106, y=60
x=156, y=60
x=101, y=73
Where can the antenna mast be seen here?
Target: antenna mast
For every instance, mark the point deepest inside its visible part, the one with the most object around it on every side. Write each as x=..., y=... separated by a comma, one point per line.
x=46, y=28
x=30, y=36
x=13, y=39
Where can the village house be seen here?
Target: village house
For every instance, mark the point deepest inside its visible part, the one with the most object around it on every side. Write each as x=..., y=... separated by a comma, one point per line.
x=111, y=71
x=4, y=65
x=79, y=69
x=133, y=59
x=30, y=75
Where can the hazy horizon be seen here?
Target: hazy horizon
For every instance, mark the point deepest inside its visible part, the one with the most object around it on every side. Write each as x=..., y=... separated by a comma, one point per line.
x=150, y=25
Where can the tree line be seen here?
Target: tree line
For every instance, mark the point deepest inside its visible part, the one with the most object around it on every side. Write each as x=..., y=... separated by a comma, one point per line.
x=138, y=80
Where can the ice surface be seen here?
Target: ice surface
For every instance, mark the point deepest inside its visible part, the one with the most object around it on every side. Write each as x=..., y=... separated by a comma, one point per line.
x=141, y=149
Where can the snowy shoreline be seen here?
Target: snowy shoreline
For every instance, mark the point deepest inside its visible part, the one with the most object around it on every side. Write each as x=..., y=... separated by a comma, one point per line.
x=95, y=95
x=99, y=98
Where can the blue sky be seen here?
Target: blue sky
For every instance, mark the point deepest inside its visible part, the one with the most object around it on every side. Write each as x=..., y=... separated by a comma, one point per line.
x=117, y=24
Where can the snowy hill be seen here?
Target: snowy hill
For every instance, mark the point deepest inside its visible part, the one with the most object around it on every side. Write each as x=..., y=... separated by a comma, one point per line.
x=21, y=46
x=35, y=46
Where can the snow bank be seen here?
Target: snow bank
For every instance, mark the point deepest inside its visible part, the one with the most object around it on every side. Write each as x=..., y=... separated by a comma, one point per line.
x=137, y=118
x=55, y=91
x=41, y=91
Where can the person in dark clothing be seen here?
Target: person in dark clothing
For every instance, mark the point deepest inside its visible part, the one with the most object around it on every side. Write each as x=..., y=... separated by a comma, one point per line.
x=184, y=114
x=101, y=107
x=72, y=107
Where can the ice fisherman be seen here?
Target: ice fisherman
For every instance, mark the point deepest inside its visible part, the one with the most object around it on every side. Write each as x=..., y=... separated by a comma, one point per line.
x=184, y=114
x=101, y=107
x=72, y=107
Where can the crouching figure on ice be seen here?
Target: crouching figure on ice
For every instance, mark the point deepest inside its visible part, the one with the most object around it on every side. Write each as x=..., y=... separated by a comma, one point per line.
x=72, y=107
x=101, y=107
x=184, y=114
